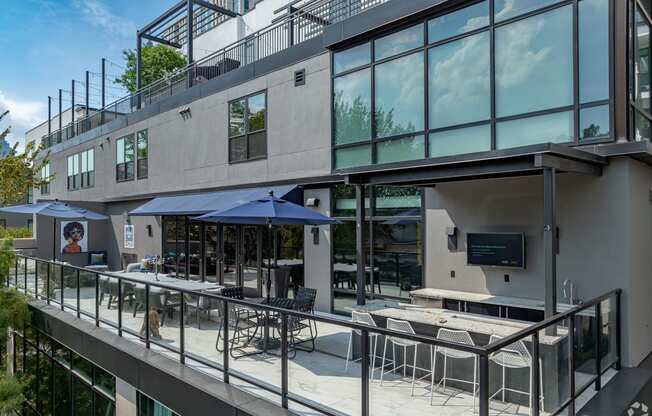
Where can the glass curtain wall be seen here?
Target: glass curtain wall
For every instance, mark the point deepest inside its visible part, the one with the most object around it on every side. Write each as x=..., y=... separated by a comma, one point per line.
x=464, y=82
x=60, y=381
x=392, y=243
x=641, y=114
x=150, y=407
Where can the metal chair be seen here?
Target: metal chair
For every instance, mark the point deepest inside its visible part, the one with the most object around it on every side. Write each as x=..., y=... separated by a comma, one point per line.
x=200, y=304
x=405, y=327
x=515, y=356
x=460, y=337
x=310, y=295
x=159, y=299
x=365, y=319
x=242, y=321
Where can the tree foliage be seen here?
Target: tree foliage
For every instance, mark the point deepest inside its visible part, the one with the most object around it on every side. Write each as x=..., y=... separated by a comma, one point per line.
x=157, y=62
x=19, y=172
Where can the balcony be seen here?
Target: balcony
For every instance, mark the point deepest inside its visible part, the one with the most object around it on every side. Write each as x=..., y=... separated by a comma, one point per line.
x=307, y=21
x=267, y=349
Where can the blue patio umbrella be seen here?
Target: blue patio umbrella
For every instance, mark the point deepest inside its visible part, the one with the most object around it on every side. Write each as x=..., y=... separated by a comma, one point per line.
x=268, y=211
x=55, y=209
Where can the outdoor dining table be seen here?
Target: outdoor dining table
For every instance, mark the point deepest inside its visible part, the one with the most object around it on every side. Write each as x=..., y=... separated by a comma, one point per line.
x=169, y=281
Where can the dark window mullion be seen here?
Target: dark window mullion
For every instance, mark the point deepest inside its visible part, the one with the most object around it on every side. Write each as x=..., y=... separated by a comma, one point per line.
x=576, y=72
x=492, y=75
x=374, y=130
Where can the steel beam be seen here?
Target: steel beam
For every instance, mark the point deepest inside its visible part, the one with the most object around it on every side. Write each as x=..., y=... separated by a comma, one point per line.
x=550, y=239
x=190, y=29
x=169, y=13
x=160, y=40
x=216, y=8
x=566, y=165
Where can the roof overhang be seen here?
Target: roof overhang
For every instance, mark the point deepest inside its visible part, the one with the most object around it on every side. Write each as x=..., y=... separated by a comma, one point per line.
x=520, y=161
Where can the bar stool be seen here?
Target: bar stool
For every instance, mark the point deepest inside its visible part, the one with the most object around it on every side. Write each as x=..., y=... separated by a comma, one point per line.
x=365, y=319
x=515, y=356
x=460, y=337
x=405, y=327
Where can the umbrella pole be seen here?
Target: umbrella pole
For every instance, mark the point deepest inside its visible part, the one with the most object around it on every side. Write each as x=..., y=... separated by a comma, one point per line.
x=269, y=267
x=54, y=239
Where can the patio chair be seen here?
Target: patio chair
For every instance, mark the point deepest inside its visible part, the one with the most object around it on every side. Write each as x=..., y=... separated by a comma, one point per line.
x=159, y=299
x=310, y=295
x=515, y=356
x=405, y=327
x=112, y=286
x=365, y=319
x=200, y=304
x=460, y=337
x=242, y=321
x=296, y=325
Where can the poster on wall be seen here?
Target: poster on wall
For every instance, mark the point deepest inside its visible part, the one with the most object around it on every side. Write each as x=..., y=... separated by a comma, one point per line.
x=74, y=237
x=129, y=237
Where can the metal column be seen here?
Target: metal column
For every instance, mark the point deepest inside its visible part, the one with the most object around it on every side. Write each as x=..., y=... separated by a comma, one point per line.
x=60, y=125
x=139, y=65
x=72, y=108
x=361, y=280
x=550, y=239
x=49, y=118
x=87, y=98
x=103, y=82
x=189, y=36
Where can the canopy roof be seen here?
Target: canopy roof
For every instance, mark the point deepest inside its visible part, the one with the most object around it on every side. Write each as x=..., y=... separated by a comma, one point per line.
x=203, y=203
x=55, y=209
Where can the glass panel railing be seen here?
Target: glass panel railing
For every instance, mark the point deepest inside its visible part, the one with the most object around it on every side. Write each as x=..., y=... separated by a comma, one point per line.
x=131, y=300
x=165, y=318
x=70, y=287
x=584, y=340
x=609, y=333
x=30, y=277
x=108, y=307
x=54, y=283
x=87, y=292
x=20, y=273
x=42, y=269
x=204, y=331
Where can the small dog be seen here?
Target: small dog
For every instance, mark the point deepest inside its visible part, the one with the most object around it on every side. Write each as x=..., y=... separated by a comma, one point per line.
x=154, y=325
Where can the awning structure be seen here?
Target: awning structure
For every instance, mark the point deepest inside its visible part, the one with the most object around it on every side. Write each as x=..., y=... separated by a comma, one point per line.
x=203, y=203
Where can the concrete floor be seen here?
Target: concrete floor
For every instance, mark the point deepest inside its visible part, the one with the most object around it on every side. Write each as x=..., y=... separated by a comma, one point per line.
x=318, y=376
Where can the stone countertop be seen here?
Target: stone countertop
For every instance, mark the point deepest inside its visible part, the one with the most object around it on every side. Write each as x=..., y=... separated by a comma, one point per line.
x=442, y=318
x=508, y=301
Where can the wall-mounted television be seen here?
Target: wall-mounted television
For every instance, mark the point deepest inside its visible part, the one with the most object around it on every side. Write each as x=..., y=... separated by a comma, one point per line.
x=496, y=249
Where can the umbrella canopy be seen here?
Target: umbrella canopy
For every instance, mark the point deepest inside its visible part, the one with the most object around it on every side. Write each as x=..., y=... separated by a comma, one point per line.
x=55, y=209
x=268, y=211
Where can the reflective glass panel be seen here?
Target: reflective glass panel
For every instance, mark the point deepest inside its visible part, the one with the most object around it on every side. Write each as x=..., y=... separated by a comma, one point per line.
x=398, y=42
x=82, y=398
x=397, y=150
x=129, y=149
x=506, y=9
x=238, y=149
x=556, y=128
x=397, y=201
x=643, y=62
x=459, y=141
x=120, y=145
x=352, y=107
x=459, y=22
x=257, y=145
x=352, y=58
x=594, y=122
x=256, y=112
x=594, y=50
x=398, y=266
x=459, y=82
x=353, y=156
x=237, y=118
x=643, y=127
x=399, y=96
x=534, y=63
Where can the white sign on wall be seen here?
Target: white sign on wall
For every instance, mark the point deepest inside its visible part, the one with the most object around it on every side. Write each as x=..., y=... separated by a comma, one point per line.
x=129, y=237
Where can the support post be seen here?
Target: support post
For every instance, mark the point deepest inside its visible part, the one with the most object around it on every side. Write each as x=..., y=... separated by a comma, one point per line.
x=190, y=35
x=364, y=371
x=619, y=343
x=536, y=369
x=87, y=101
x=284, y=361
x=49, y=120
x=484, y=385
x=598, y=347
x=60, y=111
x=550, y=240
x=103, y=82
x=139, y=68
x=361, y=280
x=72, y=108
x=571, y=363
x=225, y=340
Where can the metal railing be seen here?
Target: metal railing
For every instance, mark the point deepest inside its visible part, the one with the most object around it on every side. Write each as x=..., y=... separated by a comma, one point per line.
x=304, y=24
x=584, y=340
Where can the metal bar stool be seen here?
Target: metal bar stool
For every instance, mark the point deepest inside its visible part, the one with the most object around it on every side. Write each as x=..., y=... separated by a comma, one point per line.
x=365, y=319
x=515, y=356
x=405, y=327
x=460, y=337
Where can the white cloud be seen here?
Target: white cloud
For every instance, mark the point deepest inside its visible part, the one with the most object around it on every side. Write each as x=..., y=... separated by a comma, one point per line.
x=23, y=115
x=97, y=13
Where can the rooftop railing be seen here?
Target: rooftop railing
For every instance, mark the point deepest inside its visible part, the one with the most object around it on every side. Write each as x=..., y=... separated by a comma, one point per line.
x=306, y=366
x=303, y=24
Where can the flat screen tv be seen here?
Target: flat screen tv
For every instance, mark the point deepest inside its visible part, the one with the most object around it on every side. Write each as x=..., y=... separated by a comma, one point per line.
x=496, y=249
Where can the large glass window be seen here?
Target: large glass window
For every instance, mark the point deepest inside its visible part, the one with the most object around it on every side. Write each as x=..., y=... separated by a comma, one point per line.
x=641, y=74
x=247, y=128
x=45, y=176
x=74, y=181
x=534, y=63
x=393, y=235
x=55, y=386
x=88, y=168
x=142, y=152
x=474, y=101
x=125, y=158
x=150, y=407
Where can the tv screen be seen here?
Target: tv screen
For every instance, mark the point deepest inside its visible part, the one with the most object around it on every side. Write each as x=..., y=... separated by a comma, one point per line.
x=496, y=249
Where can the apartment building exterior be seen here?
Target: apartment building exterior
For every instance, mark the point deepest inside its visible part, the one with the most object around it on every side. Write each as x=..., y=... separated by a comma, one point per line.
x=416, y=124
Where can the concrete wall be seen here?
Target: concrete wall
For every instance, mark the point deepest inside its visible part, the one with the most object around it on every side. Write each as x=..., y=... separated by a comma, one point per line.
x=126, y=399
x=317, y=258
x=193, y=154
x=605, y=230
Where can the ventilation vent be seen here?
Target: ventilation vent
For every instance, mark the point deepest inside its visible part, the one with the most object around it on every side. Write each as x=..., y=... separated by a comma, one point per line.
x=300, y=78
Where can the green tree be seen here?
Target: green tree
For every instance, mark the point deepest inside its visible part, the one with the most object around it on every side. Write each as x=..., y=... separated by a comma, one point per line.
x=157, y=62
x=19, y=172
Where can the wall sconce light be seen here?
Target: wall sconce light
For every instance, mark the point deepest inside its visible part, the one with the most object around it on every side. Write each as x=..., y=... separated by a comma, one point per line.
x=148, y=227
x=312, y=202
x=315, y=235
x=451, y=233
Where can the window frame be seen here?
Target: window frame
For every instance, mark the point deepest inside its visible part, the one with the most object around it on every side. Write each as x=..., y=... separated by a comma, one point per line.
x=74, y=179
x=247, y=134
x=45, y=176
x=88, y=176
x=576, y=107
x=125, y=164
x=636, y=110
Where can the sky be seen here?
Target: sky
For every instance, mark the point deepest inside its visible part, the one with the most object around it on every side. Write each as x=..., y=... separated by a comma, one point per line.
x=47, y=43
